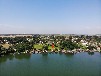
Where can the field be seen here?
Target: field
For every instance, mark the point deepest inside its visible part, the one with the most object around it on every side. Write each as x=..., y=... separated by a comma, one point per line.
x=40, y=46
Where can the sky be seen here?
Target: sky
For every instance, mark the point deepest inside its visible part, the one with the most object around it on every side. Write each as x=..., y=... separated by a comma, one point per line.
x=50, y=16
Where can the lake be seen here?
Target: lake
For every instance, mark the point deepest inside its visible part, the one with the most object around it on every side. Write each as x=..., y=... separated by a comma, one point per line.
x=81, y=64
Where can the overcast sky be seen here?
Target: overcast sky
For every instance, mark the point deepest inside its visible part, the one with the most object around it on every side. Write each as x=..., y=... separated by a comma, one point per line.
x=50, y=16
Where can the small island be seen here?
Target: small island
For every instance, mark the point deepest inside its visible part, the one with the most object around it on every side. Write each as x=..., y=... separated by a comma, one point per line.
x=49, y=43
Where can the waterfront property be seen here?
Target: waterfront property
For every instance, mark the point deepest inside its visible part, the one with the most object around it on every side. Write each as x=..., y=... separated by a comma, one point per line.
x=50, y=55
x=69, y=44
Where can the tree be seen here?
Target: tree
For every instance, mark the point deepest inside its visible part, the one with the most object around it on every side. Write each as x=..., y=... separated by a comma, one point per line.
x=68, y=44
x=45, y=47
x=91, y=47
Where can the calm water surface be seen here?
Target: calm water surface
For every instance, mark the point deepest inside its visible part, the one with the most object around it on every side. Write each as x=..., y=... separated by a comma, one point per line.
x=81, y=64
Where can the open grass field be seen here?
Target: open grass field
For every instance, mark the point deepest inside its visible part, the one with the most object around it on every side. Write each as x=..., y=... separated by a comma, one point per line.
x=40, y=46
x=37, y=46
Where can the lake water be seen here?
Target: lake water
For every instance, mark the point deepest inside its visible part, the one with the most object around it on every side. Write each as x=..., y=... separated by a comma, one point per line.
x=81, y=64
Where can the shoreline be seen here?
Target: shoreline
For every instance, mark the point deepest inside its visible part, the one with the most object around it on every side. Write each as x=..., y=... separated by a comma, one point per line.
x=68, y=44
x=53, y=52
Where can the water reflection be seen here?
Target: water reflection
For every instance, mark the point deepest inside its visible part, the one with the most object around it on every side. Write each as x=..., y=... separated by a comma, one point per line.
x=10, y=57
x=27, y=56
x=91, y=53
x=44, y=54
x=69, y=55
x=17, y=56
x=22, y=56
x=3, y=59
x=80, y=64
x=60, y=53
